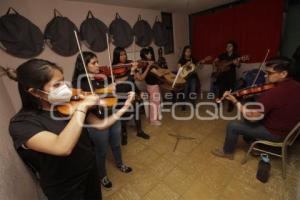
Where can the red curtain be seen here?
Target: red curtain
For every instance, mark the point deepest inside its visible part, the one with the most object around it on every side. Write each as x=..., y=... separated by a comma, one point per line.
x=255, y=26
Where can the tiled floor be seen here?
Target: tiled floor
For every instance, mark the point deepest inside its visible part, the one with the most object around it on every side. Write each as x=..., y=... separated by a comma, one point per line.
x=192, y=172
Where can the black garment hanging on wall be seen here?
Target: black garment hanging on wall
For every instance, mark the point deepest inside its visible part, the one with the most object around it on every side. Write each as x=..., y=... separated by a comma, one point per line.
x=19, y=36
x=59, y=35
x=93, y=33
x=143, y=32
x=159, y=33
x=121, y=32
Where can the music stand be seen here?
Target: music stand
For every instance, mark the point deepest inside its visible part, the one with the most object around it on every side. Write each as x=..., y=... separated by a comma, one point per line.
x=180, y=137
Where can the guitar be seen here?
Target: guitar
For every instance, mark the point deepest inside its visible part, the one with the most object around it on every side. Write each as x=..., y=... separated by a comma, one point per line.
x=189, y=67
x=224, y=65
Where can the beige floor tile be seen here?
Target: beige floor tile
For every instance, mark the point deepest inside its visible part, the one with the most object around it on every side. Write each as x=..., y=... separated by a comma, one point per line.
x=200, y=190
x=161, y=168
x=179, y=181
x=174, y=156
x=192, y=172
x=161, y=192
x=143, y=182
x=147, y=156
x=125, y=193
x=132, y=150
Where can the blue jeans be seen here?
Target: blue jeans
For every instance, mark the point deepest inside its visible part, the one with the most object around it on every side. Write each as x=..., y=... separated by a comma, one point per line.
x=247, y=129
x=102, y=139
x=191, y=88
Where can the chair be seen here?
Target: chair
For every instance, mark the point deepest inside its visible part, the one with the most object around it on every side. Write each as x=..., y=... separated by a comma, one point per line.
x=288, y=141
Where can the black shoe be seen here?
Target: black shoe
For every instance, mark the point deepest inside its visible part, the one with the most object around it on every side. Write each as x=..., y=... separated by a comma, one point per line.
x=106, y=183
x=125, y=169
x=143, y=135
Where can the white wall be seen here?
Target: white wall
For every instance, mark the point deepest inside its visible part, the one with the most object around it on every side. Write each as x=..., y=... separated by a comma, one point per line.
x=15, y=180
x=40, y=12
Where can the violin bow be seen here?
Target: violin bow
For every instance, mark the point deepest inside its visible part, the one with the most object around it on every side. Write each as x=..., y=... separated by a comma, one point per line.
x=260, y=67
x=177, y=75
x=85, y=68
x=109, y=59
x=84, y=65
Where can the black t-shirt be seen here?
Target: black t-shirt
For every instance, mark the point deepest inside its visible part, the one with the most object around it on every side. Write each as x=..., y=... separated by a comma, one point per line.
x=151, y=79
x=161, y=61
x=55, y=171
x=229, y=75
x=183, y=61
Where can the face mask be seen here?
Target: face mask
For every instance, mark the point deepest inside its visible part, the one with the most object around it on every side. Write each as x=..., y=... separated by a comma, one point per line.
x=61, y=94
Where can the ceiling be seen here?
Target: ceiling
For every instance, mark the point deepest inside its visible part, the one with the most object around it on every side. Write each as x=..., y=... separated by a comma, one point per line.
x=186, y=6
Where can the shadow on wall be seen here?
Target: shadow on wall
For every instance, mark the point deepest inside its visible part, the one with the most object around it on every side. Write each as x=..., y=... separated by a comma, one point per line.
x=16, y=181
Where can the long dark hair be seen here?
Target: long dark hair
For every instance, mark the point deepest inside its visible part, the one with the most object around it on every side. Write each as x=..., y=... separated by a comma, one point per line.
x=143, y=53
x=79, y=68
x=116, y=55
x=234, y=45
x=35, y=73
x=184, y=50
x=151, y=51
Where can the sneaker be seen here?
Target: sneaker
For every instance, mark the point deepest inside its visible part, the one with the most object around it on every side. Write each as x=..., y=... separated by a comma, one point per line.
x=220, y=153
x=156, y=123
x=143, y=135
x=106, y=183
x=125, y=169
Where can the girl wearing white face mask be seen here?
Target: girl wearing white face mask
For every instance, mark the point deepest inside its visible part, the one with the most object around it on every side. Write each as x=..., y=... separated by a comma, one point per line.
x=58, y=150
x=61, y=94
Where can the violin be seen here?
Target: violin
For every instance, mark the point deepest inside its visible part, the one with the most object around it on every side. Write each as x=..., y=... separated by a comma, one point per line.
x=69, y=108
x=254, y=90
x=247, y=92
x=120, y=70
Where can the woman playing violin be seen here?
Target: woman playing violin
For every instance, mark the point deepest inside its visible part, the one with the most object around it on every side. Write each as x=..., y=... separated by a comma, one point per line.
x=102, y=139
x=126, y=84
x=152, y=84
x=280, y=113
x=59, y=150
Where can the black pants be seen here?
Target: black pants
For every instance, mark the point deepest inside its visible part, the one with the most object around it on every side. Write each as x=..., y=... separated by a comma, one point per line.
x=225, y=83
x=191, y=89
x=83, y=187
x=137, y=120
